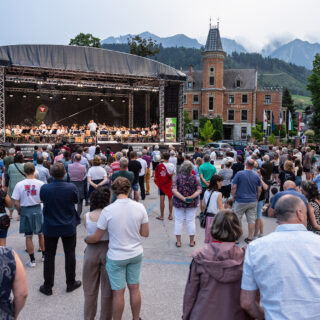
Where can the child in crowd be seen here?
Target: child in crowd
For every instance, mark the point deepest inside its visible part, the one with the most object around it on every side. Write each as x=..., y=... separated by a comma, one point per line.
x=228, y=204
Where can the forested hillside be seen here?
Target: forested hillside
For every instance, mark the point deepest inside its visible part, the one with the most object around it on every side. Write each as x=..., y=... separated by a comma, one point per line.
x=272, y=72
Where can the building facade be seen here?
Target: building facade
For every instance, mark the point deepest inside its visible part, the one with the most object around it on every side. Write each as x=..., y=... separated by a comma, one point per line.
x=231, y=94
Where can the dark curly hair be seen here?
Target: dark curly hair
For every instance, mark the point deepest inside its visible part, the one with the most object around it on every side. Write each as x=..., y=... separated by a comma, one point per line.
x=213, y=186
x=100, y=198
x=310, y=189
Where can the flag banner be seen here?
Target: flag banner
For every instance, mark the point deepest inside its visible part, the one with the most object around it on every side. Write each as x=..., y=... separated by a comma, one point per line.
x=265, y=121
x=299, y=121
x=272, y=123
x=290, y=122
x=280, y=121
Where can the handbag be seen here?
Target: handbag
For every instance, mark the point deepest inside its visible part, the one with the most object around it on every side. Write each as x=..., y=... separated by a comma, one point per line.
x=203, y=215
x=4, y=222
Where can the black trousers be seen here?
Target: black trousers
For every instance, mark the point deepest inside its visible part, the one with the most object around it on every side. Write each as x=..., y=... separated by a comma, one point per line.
x=69, y=248
x=142, y=189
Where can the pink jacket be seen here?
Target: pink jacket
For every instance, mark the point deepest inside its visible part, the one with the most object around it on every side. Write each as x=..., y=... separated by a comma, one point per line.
x=213, y=287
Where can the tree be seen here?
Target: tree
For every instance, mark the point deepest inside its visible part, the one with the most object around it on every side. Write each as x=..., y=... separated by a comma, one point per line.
x=287, y=102
x=143, y=47
x=257, y=132
x=272, y=139
x=187, y=123
x=206, y=131
x=217, y=129
x=85, y=40
x=314, y=87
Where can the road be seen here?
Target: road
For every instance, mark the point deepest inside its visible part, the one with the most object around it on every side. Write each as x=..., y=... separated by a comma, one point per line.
x=164, y=273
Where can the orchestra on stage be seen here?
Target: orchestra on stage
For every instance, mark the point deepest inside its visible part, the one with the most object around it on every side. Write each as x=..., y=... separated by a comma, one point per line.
x=86, y=133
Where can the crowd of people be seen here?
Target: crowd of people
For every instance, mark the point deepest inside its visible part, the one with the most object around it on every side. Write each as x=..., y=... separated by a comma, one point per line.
x=48, y=195
x=55, y=132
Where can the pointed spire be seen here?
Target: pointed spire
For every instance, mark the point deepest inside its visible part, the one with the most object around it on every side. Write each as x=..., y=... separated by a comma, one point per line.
x=213, y=41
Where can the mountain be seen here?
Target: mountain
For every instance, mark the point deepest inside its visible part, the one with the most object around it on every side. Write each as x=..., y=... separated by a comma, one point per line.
x=178, y=40
x=298, y=52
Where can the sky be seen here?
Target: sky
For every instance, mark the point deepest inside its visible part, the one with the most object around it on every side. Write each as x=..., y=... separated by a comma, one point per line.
x=253, y=23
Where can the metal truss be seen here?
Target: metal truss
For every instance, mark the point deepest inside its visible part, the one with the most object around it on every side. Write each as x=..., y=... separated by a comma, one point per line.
x=180, y=113
x=131, y=110
x=161, y=110
x=2, y=105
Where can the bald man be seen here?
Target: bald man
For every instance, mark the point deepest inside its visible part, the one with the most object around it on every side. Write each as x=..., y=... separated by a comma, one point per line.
x=291, y=290
x=289, y=188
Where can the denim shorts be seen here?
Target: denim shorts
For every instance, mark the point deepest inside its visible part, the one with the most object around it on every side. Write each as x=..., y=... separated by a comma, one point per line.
x=122, y=272
x=259, y=209
x=135, y=187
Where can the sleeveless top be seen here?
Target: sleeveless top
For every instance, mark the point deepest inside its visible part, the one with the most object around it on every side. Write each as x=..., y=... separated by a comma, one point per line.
x=2, y=201
x=213, y=205
x=7, y=275
x=316, y=208
x=91, y=227
x=187, y=185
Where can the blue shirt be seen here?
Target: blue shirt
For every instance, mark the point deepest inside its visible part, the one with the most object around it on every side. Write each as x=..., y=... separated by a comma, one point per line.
x=317, y=181
x=44, y=174
x=59, y=213
x=290, y=191
x=247, y=183
x=284, y=266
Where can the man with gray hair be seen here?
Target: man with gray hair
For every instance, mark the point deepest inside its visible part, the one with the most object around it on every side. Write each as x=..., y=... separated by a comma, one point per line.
x=142, y=174
x=115, y=165
x=284, y=267
x=206, y=171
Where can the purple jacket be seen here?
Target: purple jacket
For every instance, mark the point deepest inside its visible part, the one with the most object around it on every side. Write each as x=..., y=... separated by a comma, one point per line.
x=214, y=283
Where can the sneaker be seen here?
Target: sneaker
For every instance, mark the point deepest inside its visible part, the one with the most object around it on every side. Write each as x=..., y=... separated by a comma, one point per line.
x=46, y=291
x=74, y=286
x=42, y=259
x=31, y=264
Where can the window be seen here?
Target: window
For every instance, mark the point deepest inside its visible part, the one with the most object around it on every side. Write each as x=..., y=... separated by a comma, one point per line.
x=211, y=103
x=189, y=84
x=284, y=118
x=211, y=76
x=244, y=98
x=238, y=83
x=267, y=99
x=244, y=133
x=195, y=115
x=231, y=115
x=184, y=99
x=195, y=99
x=244, y=115
x=231, y=99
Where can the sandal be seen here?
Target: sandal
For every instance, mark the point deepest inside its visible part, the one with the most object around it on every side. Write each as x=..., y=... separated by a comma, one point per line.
x=170, y=218
x=159, y=218
x=247, y=240
x=178, y=245
x=192, y=245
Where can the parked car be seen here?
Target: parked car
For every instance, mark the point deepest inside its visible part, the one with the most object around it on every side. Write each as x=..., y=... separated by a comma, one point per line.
x=219, y=147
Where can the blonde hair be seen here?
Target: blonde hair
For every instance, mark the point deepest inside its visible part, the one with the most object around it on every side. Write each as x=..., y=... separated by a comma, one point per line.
x=96, y=161
x=288, y=166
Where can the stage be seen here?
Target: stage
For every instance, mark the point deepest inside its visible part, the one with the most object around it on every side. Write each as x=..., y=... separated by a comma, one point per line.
x=71, y=85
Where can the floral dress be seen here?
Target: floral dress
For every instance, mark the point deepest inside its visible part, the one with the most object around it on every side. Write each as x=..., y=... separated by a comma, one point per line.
x=316, y=208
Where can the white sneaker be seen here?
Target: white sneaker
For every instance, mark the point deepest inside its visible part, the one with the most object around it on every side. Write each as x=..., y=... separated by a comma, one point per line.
x=31, y=264
x=42, y=259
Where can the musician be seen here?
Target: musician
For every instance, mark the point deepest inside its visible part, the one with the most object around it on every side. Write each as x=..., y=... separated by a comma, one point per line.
x=43, y=126
x=93, y=128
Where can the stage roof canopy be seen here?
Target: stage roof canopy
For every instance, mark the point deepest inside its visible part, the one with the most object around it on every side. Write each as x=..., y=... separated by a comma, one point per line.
x=86, y=59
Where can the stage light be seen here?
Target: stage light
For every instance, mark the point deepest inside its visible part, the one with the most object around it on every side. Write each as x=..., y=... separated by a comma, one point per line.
x=24, y=96
x=135, y=89
x=51, y=97
x=118, y=88
x=101, y=100
x=64, y=98
x=59, y=83
x=123, y=101
x=38, y=97
x=112, y=100
x=154, y=90
x=78, y=99
x=16, y=81
x=11, y=95
x=100, y=87
x=80, y=85
x=39, y=82
x=90, y=99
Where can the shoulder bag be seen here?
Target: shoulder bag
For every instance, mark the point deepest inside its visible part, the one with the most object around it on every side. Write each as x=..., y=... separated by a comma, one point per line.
x=203, y=215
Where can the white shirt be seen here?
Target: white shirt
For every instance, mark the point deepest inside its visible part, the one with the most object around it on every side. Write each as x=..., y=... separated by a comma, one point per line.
x=170, y=167
x=92, y=126
x=92, y=151
x=224, y=160
x=91, y=227
x=213, y=156
x=27, y=192
x=97, y=173
x=123, y=220
x=213, y=205
x=144, y=166
x=173, y=160
x=284, y=266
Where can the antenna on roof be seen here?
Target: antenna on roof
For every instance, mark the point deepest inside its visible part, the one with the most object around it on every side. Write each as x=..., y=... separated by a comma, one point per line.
x=218, y=22
x=210, y=23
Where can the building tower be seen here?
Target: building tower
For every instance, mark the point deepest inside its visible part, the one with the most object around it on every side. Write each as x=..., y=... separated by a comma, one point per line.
x=212, y=76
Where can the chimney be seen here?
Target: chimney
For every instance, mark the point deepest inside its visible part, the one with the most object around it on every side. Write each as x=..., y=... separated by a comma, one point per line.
x=190, y=69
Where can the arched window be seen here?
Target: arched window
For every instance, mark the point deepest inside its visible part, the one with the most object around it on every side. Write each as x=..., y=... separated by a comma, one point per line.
x=211, y=76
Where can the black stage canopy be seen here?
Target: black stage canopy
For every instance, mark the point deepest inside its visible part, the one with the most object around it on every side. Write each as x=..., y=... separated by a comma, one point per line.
x=86, y=59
